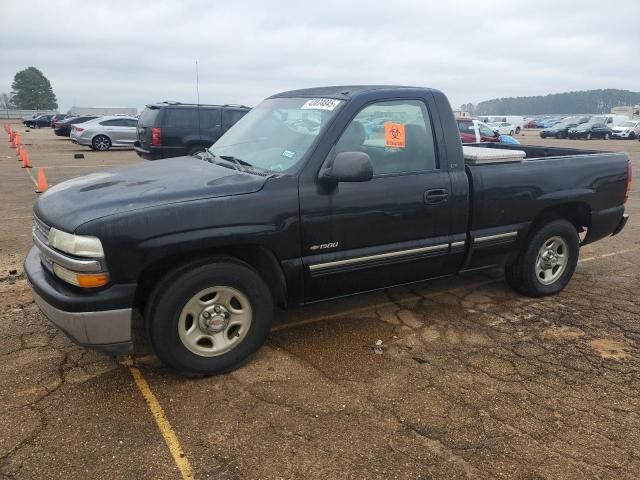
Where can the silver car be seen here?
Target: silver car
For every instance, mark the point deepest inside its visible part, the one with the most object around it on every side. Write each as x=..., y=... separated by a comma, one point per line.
x=106, y=132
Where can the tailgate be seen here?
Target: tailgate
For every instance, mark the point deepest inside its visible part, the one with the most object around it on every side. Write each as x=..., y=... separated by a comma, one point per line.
x=148, y=119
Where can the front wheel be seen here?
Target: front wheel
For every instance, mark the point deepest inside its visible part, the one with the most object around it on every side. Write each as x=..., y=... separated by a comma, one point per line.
x=208, y=317
x=517, y=130
x=606, y=136
x=589, y=136
x=511, y=133
x=102, y=143
x=547, y=262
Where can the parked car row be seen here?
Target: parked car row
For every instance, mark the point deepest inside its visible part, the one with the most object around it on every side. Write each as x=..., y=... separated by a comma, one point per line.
x=596, y=126
x=163, y=130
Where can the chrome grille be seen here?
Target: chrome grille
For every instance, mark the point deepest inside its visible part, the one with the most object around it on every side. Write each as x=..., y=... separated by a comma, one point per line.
x=41, y=229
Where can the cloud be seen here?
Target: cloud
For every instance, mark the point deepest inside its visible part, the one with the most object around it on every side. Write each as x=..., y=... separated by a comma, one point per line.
x=130, y=53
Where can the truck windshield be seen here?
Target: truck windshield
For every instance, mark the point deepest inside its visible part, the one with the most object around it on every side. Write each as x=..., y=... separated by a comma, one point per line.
x=277, y=134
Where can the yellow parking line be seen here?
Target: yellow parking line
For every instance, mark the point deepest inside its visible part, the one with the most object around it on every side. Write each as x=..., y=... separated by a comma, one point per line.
x=610, y=254
x=170, y=438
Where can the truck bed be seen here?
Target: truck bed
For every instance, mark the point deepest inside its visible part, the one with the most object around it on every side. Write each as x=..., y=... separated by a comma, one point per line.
x=537, y=152
x=510, y=196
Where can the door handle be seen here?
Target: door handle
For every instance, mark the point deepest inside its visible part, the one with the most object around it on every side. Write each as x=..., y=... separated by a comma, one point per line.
x=436, y=195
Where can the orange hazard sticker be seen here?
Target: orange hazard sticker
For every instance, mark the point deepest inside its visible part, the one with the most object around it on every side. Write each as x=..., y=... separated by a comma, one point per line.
x=394, y=135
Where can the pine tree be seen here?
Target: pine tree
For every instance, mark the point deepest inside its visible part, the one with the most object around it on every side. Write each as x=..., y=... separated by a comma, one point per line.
x=31, y=90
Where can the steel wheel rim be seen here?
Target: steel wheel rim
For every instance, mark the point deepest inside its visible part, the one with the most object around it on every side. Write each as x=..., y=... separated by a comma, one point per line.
x=214, y=321
x=552, y=260
x=102, y=143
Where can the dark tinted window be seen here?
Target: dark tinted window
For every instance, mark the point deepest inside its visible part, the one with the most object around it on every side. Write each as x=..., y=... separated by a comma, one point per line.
x=181, y=118
x=209, y=117
x=148, y=117
x=131, y=123
x=465, y=126
x=232, y=116
x=119, y=122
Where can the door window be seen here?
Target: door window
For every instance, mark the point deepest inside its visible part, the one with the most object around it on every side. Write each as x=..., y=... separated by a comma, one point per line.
x=232, y=116
x=396, y=135
x=209, y=118
x=182, y=118
x=486, y=131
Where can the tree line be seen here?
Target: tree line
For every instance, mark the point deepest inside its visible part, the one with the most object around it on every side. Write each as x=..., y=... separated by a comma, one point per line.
x=589, y=101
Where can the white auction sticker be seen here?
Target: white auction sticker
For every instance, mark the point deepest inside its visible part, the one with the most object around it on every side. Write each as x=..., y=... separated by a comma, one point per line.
x=320, y=104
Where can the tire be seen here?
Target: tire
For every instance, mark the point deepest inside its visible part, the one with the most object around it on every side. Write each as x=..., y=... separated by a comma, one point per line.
x=606, y=136
x=511, y=133
x=517, y=130
x=227, y=345
x=589, y=136
x=525, y=276
x=101, y=143
x=196, y=149
x=632, y=135
x=559, y=135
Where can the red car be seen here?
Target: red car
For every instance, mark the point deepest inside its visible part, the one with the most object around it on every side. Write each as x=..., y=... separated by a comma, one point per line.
x=474, y=131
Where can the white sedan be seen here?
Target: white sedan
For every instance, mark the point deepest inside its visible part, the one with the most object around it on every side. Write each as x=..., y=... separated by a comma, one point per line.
x=503, y=128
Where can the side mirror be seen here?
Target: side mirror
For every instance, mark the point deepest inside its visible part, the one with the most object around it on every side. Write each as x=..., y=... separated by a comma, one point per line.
x=348, y=167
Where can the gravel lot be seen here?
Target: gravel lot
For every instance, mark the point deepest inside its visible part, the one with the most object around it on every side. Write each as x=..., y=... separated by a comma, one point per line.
x=473, y=381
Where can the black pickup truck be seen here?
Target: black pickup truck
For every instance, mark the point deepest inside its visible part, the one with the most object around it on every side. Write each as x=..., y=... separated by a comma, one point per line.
x=314, y=194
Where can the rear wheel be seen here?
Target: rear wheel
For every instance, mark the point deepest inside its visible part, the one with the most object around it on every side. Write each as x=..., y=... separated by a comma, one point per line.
x=102, y=143
x=511, y=133
x=589, y=136
x=517, y=129
x=606, y=136
x=208, y=317
x=547, y=262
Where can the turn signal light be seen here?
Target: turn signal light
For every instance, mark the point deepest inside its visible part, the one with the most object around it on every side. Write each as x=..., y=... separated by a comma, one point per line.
x=84, y=280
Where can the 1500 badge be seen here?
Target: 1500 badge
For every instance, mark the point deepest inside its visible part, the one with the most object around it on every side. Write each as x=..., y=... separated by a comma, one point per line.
x=323, y=246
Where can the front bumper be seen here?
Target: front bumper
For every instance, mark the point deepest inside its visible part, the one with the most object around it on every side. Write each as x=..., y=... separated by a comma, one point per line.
x=101, y=320
x=615, y=134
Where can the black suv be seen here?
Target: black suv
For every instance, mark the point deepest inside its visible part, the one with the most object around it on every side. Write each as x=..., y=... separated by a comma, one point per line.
x=172, y=129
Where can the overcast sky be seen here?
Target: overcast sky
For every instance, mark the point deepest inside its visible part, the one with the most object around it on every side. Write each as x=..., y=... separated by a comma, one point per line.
x=112, y=53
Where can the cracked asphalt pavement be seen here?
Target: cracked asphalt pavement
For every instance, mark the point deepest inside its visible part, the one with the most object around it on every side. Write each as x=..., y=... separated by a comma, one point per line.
x=470, y=381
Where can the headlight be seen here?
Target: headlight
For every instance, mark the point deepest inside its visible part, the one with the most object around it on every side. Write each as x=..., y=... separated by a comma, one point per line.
x=78, y=245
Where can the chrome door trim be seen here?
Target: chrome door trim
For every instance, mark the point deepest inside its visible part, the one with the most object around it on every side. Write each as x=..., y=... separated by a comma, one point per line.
x=458, y=244
x=379, y=256
x=499, y=236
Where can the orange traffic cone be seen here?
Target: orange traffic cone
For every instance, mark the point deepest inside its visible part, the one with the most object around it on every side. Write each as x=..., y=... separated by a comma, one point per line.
x=12, y=142
x=19, y=152
x=25, y=159
x=18, y=139
x=42, y=184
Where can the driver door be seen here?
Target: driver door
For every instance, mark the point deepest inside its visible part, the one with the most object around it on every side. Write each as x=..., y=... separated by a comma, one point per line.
x=392, y=229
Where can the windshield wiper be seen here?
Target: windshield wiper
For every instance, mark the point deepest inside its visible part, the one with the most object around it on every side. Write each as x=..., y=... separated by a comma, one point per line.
x=237, y=161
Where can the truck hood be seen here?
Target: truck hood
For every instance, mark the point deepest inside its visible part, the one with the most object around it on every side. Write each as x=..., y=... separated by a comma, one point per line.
x=149, y=184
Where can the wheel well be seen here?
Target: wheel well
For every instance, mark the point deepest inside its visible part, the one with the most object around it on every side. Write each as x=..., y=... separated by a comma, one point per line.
x=100, y=135
x=577, y=213
x=261, y=259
